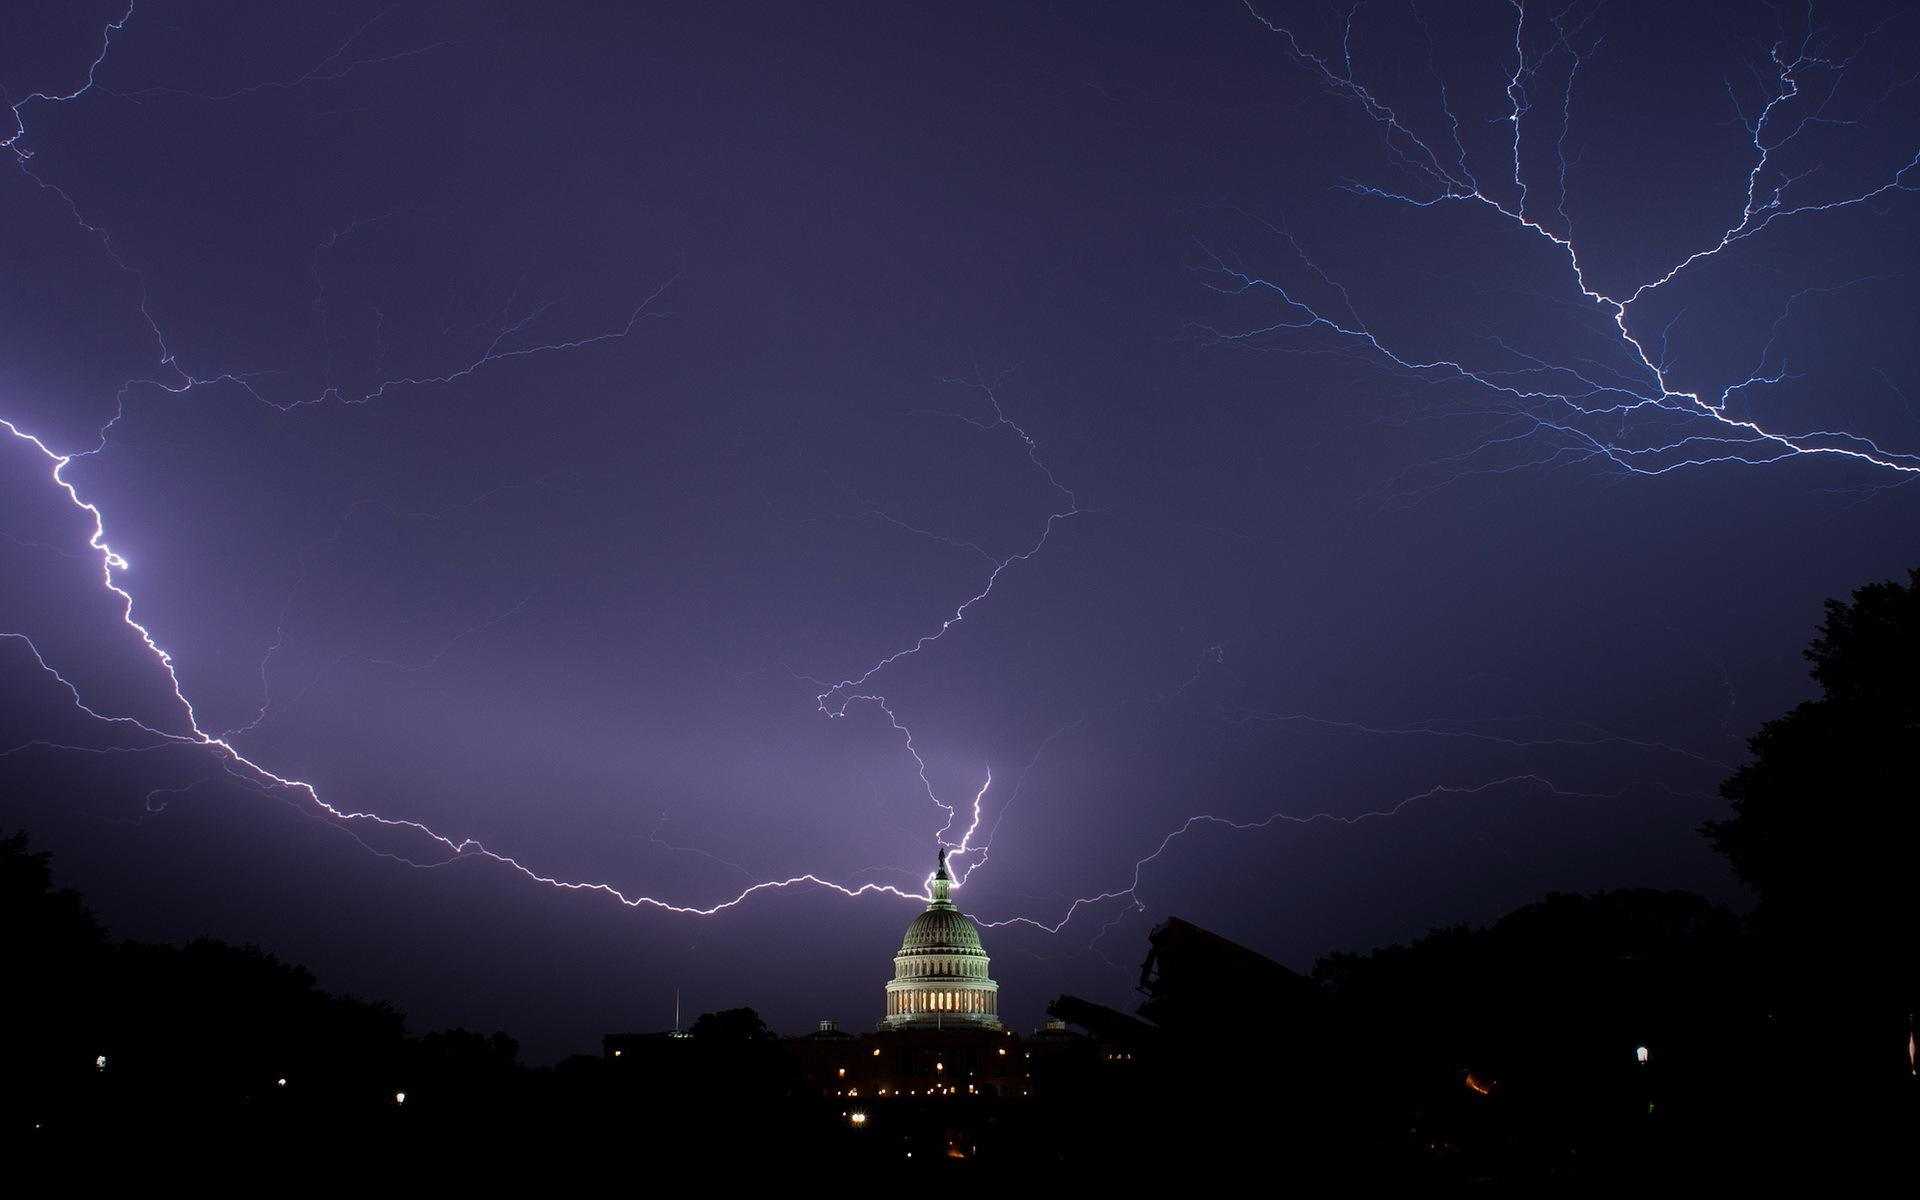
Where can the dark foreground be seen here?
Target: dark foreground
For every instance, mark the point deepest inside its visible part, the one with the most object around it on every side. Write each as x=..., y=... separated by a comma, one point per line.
x=1508, y=1054
x=1632, y=1037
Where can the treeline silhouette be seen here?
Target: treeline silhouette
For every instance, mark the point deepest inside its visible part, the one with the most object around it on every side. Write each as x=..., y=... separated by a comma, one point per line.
x=131, y=1044
x=1629, y=1035
x=1510, y=1052
x=130, y=1034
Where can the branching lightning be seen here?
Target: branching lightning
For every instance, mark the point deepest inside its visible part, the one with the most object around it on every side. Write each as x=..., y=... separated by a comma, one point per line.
x=1581, y=413
x=189, y=732
x=834, y=701
x=835, y=698
x=1563, y=402
x=1202, y=820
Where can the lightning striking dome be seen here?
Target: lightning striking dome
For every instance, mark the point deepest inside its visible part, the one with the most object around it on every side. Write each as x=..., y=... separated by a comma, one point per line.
x=940, y=975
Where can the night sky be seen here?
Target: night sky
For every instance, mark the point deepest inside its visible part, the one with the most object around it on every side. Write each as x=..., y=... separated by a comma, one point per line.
x=514, y=417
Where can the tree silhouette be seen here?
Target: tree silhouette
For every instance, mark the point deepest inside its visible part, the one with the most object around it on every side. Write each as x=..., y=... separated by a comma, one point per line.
x=59, y=962
x=731, y=1025
x=1823, y=829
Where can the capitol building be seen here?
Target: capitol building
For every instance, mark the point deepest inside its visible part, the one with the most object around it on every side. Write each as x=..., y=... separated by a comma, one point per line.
x=940, y=976
x=938, y=1073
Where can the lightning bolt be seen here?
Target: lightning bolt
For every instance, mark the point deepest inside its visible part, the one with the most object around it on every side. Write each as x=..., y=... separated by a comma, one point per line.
x=1204, y=820
x=836, y=698
x=1545, y=409
x=1585, y=734
x=1564, y=404
x=1548, y=409
x=188, y=731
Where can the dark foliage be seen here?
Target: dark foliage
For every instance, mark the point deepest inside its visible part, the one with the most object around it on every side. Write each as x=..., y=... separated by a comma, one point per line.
x=1508, y=1052
x=1826, y=819
x=153, y=1041
x=732, y=1025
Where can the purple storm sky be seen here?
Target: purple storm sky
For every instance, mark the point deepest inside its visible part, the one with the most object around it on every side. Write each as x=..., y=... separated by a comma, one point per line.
x=1416, y=442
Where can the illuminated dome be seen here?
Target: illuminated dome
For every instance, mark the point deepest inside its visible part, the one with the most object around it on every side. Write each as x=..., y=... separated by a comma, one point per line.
x=941, y=931
x=940, y=975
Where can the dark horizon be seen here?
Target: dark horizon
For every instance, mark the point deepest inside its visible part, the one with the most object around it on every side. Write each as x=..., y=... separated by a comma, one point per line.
x=576, y=430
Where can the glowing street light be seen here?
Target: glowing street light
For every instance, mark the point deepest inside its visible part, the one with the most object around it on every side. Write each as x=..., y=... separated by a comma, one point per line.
x=99, y=1062
x=856, y=1118
x=1640, y=1055
x=399, y=1097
